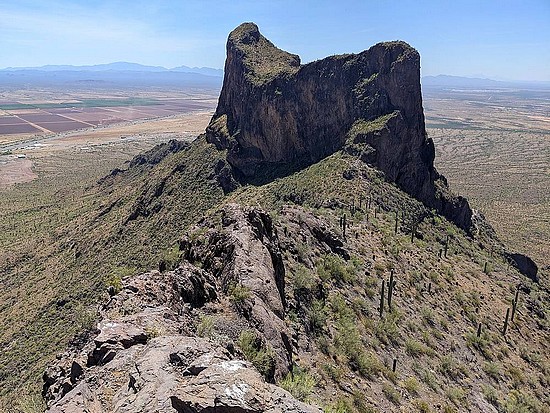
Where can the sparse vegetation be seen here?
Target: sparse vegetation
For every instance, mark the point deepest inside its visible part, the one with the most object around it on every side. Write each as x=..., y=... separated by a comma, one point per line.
x=258, y=353
x=299, y=383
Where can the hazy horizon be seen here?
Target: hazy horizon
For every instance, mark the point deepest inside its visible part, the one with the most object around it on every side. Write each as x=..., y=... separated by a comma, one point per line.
x=491, y=39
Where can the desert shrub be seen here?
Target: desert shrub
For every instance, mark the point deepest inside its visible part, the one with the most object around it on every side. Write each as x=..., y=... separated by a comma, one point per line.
x=115, y=277
x=449, y=409
x=317, y=316
x=492, y=370
x=428, y=316
x=340, y=309
x=205, y=327
x=256, y=351
x=391, y=393
x=429, y=379
x=457, y=395
x=412, y=385
x=335, y=268
x=490, y=394
x=30, y=404
x=416, y=349
x=303, y=279
x=170, y=258
x=516, y=375
x=421, y=406
x=386, y=329
x=481, y=343
x=451, y=368
x=368, y=364
x=379, y=268
x=239, y=293
x=299, y=383
x=334, y=372
x=520, y=402
x=340, y=406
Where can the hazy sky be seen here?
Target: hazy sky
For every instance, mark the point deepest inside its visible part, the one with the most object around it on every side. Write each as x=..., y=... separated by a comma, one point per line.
x=500, y=39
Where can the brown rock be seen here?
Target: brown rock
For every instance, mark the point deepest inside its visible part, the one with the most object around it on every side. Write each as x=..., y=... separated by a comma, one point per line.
x=275, y=115
x=176, y=373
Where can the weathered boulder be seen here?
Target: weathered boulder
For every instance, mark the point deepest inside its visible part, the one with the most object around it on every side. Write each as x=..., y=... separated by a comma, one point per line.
x=274, y=114
x=176, y=374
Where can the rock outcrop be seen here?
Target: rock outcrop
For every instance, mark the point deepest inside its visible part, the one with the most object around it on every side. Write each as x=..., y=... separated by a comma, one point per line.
x=275, y=115
x=146, y=354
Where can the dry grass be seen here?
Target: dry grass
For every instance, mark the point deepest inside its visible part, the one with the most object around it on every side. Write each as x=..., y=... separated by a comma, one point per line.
x=500, y=160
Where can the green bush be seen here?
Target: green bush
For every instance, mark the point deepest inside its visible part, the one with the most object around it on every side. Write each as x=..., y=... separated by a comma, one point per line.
x=115, y=277
x=239, y=293
x=386, y=329
x=391, y=394
x=416, y=349
x=317, y=316
x=303, y=279
x=205, y=328
x=492, y=370
x=299, y=383
x=457, y=395
x=421, y=406
x=520, y=402
x=490, y=394
x=171, y=258
x=451, y=368
x=332, y=267
x=412, y=385
x=258, y=353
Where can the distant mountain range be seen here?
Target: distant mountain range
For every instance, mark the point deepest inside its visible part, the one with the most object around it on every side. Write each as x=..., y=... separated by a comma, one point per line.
x=445, y=81
x=119, y=67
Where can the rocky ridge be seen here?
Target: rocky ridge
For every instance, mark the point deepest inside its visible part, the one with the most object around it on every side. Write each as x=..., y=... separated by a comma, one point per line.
x=146, y=354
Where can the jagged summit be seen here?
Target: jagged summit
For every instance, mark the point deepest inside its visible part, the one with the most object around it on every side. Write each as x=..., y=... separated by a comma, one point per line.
x=275, y=114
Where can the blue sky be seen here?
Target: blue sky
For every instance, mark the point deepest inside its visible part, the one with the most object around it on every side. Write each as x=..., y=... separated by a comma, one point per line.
x=499, y=39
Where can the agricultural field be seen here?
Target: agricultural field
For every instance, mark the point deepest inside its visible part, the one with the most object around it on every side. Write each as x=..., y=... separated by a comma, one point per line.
x=494, y=148
x=22, y=117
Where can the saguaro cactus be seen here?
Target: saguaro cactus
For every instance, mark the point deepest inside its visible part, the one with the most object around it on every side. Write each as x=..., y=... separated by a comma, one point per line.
x=390, y=289
x=515, y=304
x=506, y=321
x=382, y=298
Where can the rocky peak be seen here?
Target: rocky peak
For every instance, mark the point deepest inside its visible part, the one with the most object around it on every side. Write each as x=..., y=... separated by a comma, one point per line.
x=275, y=115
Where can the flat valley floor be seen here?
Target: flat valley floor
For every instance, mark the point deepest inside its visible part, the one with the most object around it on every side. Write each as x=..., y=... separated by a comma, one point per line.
x=494, y=148
x=492, y=145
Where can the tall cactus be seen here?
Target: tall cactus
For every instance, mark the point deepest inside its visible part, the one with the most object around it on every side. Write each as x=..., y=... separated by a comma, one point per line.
x=506, y=322
x=390, y=289
x=381, y=309
x=515, y=304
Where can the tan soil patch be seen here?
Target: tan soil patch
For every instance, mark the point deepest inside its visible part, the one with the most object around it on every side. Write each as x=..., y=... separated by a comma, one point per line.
x=16, y=170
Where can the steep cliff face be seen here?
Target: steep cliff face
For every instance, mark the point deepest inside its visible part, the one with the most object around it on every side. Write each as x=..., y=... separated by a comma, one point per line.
x=275, y=113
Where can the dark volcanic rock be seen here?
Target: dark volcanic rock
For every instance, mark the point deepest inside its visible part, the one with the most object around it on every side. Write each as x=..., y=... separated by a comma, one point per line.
x=524, y=265
x=158, y=153
x=276, y=115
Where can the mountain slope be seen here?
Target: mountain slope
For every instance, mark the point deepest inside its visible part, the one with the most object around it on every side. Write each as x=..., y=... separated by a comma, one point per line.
x=291, y=273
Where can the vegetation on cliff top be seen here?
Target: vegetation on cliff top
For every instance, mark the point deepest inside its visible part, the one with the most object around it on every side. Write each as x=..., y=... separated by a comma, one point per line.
x=263, y=60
